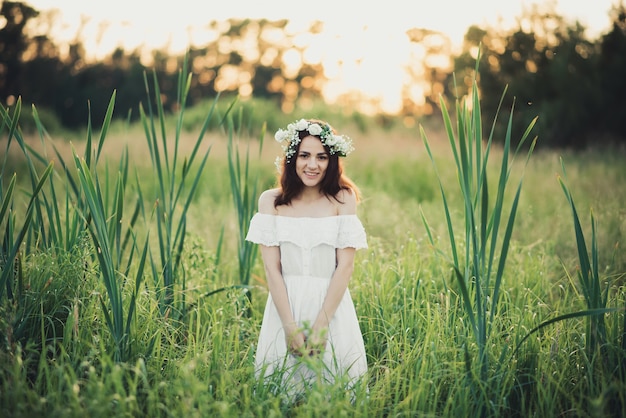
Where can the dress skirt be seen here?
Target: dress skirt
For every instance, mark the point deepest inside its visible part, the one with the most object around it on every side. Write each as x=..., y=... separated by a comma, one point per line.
x=344, y=356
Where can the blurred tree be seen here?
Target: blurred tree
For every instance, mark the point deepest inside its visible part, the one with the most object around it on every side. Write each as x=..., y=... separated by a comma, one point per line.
x=431, y=64
x=259, y=58
x=13, y=44
x=550, y=70
x=612, y=65
x=90, y=87
x=245, y=58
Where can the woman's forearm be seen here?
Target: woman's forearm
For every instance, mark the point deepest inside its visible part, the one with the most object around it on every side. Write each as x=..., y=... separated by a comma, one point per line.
x=336, y=290
x=280, y=297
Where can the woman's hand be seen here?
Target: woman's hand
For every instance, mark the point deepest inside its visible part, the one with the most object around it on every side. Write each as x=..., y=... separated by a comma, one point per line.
x=316, y=342
x=295, y=339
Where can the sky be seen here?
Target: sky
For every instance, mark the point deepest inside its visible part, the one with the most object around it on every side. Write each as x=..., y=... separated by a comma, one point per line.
x=368, y=38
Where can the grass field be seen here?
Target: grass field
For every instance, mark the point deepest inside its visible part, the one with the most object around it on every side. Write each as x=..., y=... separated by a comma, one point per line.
x=107, y=311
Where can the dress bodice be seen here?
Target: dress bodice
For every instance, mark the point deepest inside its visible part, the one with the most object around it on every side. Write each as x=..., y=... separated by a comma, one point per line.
x=307, y=244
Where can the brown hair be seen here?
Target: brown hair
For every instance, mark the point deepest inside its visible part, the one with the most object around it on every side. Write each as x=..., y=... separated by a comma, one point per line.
x=333, y=182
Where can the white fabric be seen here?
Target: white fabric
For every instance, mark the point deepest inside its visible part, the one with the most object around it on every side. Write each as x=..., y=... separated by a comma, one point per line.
x=308, y=259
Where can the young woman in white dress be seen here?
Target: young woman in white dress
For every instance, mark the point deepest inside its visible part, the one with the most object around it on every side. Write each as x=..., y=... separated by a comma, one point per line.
x=308, y=233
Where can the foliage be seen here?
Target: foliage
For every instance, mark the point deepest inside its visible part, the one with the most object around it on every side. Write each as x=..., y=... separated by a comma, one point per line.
x=64, y=83
x=174, y=190
x=14, y=236
x=243, y=185
x=552, y=70
x=480, y=281
x=105, y=228
x=94, y=203
x=480, y=270
x=590, y=282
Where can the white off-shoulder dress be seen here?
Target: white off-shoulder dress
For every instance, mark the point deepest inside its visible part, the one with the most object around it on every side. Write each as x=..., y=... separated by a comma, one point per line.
x=308, y=259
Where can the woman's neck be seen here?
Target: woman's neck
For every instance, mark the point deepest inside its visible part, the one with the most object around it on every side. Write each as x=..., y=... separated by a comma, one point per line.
x=311, y=202
x=310, y=194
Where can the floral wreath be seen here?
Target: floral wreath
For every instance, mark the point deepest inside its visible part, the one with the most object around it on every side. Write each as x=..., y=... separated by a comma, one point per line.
x=289, y=138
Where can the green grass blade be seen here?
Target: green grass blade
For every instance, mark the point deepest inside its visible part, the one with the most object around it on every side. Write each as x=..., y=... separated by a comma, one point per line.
x=581, y=246
x=446, y=208
x=138, y=279
x=10, y=121
x=153, y=146
x=105, y=125
x=504, y=251
x=484, y=218
x=115, y=231
x=500, y=193
x=88, y=144
x=467, y=300
x=132, y=222
x=183, y=90
x=7, y=198
x=191, y=194
x=24, y=230
x=161, y=122
x=477, y=129
x=579, y=314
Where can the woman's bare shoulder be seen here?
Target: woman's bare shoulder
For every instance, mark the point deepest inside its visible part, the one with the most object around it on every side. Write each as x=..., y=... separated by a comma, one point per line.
x=266, y=201
x=346, y=202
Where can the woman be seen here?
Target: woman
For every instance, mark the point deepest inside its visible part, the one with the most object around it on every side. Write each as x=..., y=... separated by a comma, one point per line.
x=308, y=231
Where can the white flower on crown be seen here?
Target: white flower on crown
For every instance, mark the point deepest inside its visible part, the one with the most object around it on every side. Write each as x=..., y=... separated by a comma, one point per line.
x=315, y=129
x=289, y=138
x=302, y=125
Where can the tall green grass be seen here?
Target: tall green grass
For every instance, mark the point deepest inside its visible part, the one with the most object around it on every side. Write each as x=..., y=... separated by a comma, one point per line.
x=589, y=278
x=603, y=349
x=479, y=270
x=94, y=202
x=12, y=283
x=244, y=188
x=13, y=237
x=176, y=187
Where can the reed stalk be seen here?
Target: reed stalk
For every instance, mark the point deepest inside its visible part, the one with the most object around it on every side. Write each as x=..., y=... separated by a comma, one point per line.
x=588, y=274
x=176, y=188
x=105, y=227
x=243, y=185
x=479, y=269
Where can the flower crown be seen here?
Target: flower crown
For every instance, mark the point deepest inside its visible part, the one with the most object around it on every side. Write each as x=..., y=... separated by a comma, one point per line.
x=289, y=138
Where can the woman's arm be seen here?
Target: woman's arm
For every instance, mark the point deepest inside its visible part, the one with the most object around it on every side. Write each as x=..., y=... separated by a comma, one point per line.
x=294, y=337
x=334, y=294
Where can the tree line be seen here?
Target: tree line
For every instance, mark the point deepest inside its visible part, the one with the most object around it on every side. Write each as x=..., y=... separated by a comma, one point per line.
x=574, y=86
x=548, y=67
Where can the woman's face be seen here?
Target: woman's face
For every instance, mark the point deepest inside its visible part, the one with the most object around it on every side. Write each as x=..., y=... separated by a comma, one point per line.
x=312, y=161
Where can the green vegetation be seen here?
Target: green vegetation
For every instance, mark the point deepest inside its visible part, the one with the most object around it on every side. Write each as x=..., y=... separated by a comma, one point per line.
x=478, y=278
x=101, y=316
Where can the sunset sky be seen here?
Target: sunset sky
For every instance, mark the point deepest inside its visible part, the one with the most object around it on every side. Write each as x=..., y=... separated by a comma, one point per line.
x=368, y=38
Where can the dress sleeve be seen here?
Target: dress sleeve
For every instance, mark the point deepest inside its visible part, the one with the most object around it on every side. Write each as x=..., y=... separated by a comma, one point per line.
x=263, y=230
x=351, y=233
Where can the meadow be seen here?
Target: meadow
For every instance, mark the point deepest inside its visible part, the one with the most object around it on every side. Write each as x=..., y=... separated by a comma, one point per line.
x=494, y=281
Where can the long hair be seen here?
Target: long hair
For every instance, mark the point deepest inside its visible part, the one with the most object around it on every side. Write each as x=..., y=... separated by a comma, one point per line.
x=333, y=182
